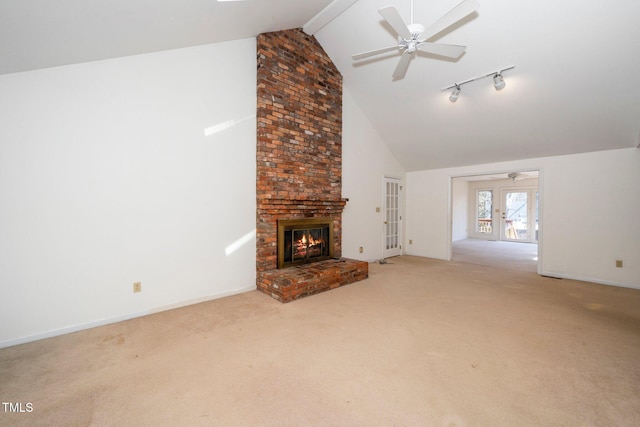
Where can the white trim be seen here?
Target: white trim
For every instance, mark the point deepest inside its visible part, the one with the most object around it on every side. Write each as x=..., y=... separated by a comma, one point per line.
x=116, y=319
x=326, y=15
x=449, y=256
x=588, y=280
x=540, y=219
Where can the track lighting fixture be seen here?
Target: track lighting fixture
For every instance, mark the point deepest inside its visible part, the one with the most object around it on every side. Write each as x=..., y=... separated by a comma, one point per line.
x=455, y=94
x=498, y=82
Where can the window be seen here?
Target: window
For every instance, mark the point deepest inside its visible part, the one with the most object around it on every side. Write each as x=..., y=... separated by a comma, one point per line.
x=484, y=224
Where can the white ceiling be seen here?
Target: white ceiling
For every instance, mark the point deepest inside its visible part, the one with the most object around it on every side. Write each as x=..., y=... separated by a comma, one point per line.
x=44, y=33
x=574, y=87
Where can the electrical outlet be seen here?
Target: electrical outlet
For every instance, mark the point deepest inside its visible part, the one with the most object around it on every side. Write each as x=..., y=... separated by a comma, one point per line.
x=410, y=242
x=619, y=263
x=361, y=249
x=377, y=209
x=137, y=287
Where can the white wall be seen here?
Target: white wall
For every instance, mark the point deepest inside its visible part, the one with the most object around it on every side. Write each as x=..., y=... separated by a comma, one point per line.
x=107, y=178
x=459, y=209
x=366, y=160
x=588, y=211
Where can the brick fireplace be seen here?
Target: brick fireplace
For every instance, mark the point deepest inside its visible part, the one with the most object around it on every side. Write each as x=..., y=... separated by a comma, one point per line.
x=299, y=166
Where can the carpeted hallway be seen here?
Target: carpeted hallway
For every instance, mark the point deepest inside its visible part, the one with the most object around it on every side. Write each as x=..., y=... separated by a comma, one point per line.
x=420, y=343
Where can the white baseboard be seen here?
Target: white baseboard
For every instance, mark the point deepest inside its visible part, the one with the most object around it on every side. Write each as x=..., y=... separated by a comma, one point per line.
x=116, y=319
x=588, y=279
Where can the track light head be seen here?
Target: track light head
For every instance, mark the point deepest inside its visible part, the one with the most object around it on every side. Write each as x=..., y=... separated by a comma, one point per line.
x=455, y=94
x=498, y=81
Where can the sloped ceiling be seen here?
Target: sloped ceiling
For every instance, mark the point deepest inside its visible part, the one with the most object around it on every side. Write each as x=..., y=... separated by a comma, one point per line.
x=45, y=33
x=574, y=87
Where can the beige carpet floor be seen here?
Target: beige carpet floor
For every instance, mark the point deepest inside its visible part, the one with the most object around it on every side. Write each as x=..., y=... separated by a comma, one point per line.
x=420, y=343
x=512, y=255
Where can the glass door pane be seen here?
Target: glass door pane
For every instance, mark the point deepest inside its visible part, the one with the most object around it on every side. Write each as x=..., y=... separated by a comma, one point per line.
x=484, y=212
x=514, y=217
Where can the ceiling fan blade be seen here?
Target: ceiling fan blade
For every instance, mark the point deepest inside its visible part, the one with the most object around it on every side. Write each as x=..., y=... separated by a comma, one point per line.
x=391, y=15
x=401, y=68
x=373, y=52
x=450, y=18
x=448, y=50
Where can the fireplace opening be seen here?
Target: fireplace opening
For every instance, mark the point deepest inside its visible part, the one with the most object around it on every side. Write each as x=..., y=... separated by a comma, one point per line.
x=302, y=241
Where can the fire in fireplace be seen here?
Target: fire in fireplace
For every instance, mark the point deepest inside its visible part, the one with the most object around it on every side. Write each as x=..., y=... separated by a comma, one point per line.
x=301, y=241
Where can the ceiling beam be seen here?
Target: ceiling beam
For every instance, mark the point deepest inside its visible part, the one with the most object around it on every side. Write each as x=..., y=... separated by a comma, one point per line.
x=328, y=14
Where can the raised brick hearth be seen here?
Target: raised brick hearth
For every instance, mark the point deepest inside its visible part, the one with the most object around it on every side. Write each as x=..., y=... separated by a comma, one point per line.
x=299, y=160
x=289, y=284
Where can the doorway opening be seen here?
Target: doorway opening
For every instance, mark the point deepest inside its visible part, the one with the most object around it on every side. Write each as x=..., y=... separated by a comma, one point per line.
x=495, y=219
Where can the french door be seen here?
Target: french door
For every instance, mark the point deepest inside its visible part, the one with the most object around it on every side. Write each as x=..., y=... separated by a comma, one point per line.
x=519, y=215
x=392, y=218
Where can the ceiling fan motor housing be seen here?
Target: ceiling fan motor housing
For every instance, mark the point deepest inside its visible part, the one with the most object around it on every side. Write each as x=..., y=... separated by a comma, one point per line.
x=416, y=31
x=411, y=45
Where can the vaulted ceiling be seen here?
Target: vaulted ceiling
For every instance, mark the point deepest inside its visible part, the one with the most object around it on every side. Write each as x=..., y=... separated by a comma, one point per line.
x=574, y=87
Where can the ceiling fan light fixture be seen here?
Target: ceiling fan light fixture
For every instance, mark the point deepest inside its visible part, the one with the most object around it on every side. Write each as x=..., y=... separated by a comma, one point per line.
x=498, y=81
x=411, y=47
x=455, y=94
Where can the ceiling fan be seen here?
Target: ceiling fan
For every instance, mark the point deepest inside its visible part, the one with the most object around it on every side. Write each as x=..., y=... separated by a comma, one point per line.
x=516, y=176
x=513, y=176
x=414, y=36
